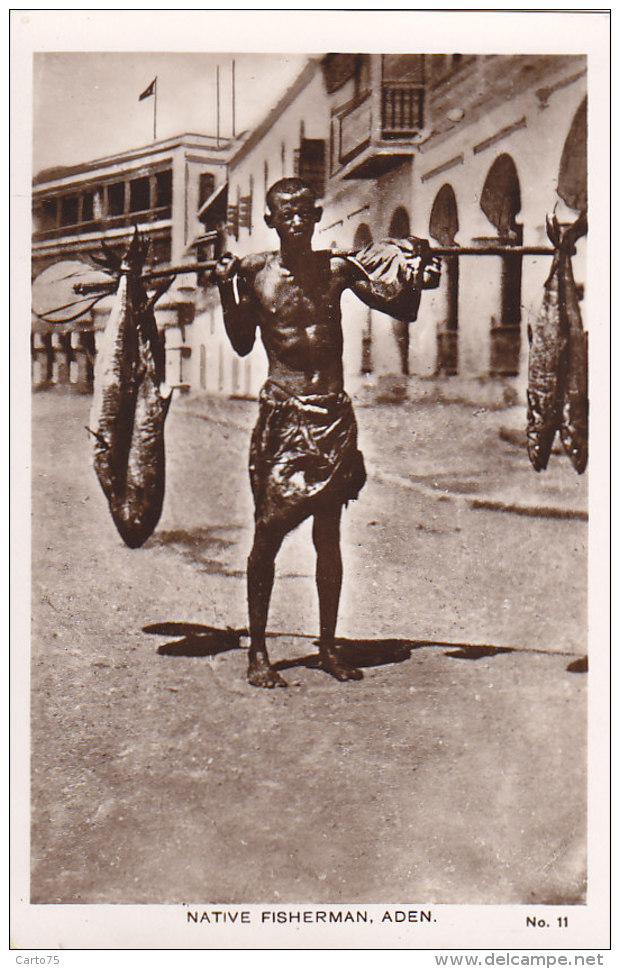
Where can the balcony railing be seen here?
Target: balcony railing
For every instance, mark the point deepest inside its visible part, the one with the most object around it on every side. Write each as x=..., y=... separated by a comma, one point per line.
x=401, y=109
x=127, y=219
x=401, y=116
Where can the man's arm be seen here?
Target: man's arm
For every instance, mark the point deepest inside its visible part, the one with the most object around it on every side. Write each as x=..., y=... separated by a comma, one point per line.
x=403, y=307
x=389, y=276
x=239, y=313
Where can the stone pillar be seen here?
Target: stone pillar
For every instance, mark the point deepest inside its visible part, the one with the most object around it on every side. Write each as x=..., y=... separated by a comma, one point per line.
x=60, y=361
x=39, y=360
x=80, y=366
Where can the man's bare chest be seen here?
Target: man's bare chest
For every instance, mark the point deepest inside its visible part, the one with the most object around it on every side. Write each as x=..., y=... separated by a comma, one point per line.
x=298, y=299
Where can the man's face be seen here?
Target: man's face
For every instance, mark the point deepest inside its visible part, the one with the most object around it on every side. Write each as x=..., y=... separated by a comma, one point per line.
x=294, y=217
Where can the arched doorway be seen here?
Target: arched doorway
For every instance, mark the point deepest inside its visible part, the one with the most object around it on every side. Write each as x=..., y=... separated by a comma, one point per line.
x=501, y=203
x=399, y=223
x=443, y=226
x=573, y=174
x=362, y=238
x=400, y=229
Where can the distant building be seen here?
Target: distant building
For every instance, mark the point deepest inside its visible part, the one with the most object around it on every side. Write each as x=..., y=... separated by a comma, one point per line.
x=463, y=149
x=160, y=188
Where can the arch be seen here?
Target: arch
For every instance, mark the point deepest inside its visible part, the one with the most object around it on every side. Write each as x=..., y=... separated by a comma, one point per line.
x=444, y=221
x=443, y=226
x=400, y=229
x=501, y=197
x=399, y=223
x=362, y=237
x=573, y=174
x=501, y=203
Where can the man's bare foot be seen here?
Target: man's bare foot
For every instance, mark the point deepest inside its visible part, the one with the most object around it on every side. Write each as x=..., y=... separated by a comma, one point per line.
x=262, y=673
x=333, y=664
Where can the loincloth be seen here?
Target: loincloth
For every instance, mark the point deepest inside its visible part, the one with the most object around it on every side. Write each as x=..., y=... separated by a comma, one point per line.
x=303, y=454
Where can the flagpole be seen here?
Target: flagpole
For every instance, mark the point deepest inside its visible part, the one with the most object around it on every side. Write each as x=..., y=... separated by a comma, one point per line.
x=233, y=98
x=151, y=91
x=217, y=98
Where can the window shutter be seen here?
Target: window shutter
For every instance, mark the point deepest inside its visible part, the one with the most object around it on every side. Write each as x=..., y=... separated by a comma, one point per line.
x=312, y=159
x=232, y=221
x=245, y=212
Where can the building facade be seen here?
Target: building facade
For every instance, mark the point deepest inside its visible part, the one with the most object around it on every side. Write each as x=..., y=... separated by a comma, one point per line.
x=461, y=149
x=465, y=150
x=159, y=188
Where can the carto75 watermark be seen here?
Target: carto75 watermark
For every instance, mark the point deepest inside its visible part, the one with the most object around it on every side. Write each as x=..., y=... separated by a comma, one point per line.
x=37, y=960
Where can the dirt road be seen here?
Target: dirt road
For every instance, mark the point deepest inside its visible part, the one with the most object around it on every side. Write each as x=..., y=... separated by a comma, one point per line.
x=454, y=772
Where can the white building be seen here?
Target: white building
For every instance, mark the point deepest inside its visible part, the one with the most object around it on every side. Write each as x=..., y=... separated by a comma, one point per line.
x=461, y=149
x=281, y=145
x=160, y=188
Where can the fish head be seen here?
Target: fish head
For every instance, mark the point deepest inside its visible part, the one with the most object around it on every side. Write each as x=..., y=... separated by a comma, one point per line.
x=553, y=231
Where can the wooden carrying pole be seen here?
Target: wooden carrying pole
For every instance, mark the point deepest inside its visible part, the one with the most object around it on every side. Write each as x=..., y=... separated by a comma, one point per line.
x=83, y=289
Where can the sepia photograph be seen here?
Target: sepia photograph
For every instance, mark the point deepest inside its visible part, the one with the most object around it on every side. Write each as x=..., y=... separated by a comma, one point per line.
x=312, y=458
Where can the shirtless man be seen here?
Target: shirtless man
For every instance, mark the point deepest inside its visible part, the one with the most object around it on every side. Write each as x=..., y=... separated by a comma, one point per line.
x=304, y=459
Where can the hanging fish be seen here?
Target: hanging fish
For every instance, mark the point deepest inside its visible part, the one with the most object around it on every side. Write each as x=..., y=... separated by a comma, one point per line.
x=130, y=402
x=557, y=394
x=547, y=360
x=574, y=413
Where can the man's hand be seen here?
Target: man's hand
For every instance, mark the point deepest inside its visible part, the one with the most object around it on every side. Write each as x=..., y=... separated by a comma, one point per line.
x=431, y=277
x=425, y=269
x=226, y=268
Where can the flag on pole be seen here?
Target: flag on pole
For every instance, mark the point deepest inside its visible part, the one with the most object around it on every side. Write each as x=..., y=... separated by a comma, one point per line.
x=149, y=90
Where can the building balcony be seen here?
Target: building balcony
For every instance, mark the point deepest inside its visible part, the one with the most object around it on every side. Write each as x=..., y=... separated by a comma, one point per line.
x=101, y=226
x=374, y=134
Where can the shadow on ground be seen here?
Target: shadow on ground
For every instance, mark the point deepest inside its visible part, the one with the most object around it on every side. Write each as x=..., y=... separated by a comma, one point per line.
x=381, y=652
x=358, y=652
x=194, y=639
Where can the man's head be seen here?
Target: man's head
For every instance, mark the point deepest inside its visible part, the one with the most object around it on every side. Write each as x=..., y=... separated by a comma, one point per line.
x=292, y=211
